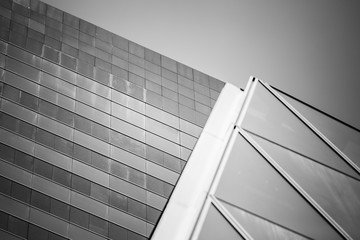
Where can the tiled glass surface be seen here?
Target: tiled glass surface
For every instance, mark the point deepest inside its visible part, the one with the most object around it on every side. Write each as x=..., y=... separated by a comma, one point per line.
x=85, y=111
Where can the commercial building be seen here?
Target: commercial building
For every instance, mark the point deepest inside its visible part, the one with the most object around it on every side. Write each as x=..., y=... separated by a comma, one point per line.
x=95, y=129
x=101, y=138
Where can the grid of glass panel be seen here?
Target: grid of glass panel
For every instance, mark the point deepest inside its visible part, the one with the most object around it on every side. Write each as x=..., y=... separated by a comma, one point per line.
x=285, y=179
x=94, y=129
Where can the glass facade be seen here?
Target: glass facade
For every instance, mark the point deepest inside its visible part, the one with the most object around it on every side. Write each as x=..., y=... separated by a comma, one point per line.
x=95, y=130
x=289, y=171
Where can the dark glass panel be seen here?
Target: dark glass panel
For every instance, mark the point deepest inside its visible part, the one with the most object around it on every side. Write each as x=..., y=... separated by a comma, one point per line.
x=18, y=227
x=99, y=192
x=135, y=236
x=11, y=93
x=155, y=185
x=27, y=130
x=64, y=145
x=60, y=209
x=100, y=131
x=3, y=220
x=5, y=185
x=118, y=200
x=98, y=225
x=100, y=161
x=40, y=200
x=9, y=122
x=117, y=232
x=7, y=153
x=20, y=192
x=43, y=168
x=61, y=176
x=119, y=169
x=137, y=177
x=136, y=208
x=37, y=233
x=24, y=160
x=83, y=124
x=65, y=116
x=80, y=184
x=152, y=214
x=79, y=217
x=82, y=153
x=48, y=109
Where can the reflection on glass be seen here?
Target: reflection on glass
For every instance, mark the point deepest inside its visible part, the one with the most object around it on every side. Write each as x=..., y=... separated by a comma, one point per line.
x=217, y=227
x=250, y=182
x=336, y=193
x=345, y=138
x=267, y=117
x=259, y=228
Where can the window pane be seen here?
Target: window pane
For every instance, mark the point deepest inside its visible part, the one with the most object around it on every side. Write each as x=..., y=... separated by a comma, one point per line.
x=63, y=146
x=3, y=220
x=29, y=100
x=255, y=180
x=137, y=177
x=82, y=153
x=11, y=93
x=40, y=200
x=152, y=214
x=36, y=233
x=99, y=192
x=100, y=161
x=215, y=221
x=60, y=209
x=118, y=200
x=98, y=225
x=43, y=168
x=18, y=227
x=269, y=118
x=83, y=124
x=20, y=192
x=137, y=208
x=44, y=137
x=24, y=160
x=80, y=184
x=259, y=228
x=7, y=153
x=117, y=232
x=61, y=176
x=5, y=185
x=336, y=193
x=79, y=217
x=27, y=130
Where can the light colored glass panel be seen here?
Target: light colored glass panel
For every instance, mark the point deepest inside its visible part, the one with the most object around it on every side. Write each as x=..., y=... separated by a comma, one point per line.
x=19, y=111
x=80, y=233
x=162, y=116
x=250, y=182
x=93, y=86
x=21, y=83
x=92, y=143
x=53, y=157
x=47, y=221
x=12, y=172
x=93, y=100
x=91, y=173
x=92, y=113
x=162, y=130
x=269, y=118
x=50, y=188
x=162, y=144
x=216, y=227
x=127, y=129
x=344, y=137
x=128, y=115
x=336, y=193
x=128, y=189
x=14, y=207
x=259, y=228
x=128, y=221
x=55, y=127
x=89, y=205
x=128, y=101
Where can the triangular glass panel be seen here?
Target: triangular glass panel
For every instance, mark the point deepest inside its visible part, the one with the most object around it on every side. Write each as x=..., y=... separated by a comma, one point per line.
x=269, y=118
x=250, y=182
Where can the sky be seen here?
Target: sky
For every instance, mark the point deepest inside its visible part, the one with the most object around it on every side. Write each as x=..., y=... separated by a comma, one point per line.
x=309, y=49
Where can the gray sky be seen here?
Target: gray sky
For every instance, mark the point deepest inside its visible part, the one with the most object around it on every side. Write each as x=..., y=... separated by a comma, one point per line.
x=310, y=49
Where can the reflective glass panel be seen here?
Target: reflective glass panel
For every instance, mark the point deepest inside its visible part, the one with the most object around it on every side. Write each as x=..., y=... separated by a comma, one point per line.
x=214, y=221
x=336, y=193
x=269, y=118
x=259, y=228
x=248, y=179
x=344, y=137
